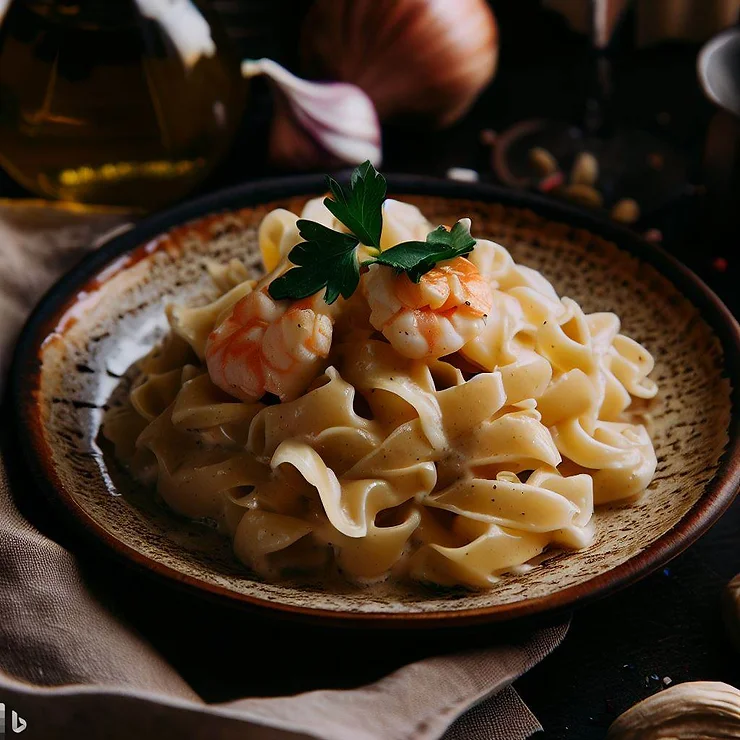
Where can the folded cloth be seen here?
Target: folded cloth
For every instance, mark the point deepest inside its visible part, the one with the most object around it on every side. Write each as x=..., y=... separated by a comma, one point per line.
x=38, y=243
x=73, y=665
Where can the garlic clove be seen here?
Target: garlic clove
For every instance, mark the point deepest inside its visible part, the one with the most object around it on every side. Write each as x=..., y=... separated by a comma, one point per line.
x=699, y=709
x=318, y=123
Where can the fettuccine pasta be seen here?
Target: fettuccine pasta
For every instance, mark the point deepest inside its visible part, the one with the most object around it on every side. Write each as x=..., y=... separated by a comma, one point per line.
x=446, y=432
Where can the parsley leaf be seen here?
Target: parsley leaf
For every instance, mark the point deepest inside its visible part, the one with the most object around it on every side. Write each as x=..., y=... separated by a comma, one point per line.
x=416, y=258
x=360, y=208
x=327, y=259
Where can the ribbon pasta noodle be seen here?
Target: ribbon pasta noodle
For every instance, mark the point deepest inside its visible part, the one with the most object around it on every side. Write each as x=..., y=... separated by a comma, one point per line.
x=355, y=456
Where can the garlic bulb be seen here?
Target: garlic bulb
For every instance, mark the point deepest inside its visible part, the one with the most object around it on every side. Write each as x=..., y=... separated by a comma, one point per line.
x=318, y=124
x=698, y=709
x=416, y=59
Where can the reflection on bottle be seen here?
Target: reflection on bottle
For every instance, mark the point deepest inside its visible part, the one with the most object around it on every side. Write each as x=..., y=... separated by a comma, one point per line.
x=185, y=26
x=112, y=101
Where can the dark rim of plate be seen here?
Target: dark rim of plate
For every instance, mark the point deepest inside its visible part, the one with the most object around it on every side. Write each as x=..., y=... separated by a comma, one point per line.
x=26, y=370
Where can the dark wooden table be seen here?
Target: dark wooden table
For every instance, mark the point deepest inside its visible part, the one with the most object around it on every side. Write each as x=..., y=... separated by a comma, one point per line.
x=667, y=628
x=663, y=630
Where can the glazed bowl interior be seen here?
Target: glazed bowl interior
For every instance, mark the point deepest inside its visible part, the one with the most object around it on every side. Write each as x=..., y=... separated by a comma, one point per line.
x=79, y=347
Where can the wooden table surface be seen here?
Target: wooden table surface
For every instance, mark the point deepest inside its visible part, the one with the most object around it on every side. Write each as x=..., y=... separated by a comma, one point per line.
x=667, y=628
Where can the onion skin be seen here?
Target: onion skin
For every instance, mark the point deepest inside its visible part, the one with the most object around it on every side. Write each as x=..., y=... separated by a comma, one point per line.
x=418, y=60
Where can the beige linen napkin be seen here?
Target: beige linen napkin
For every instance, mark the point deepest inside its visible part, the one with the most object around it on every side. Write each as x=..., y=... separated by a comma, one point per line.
x=38, y=243
x=71, y=666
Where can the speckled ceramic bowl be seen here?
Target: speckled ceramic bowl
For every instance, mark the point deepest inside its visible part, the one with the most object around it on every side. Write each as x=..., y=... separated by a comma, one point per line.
x=109, y=311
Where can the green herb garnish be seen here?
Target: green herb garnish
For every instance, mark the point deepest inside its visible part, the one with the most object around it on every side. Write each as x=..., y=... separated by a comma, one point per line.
x=361, y=208
x=416, y=258
x=328, y=258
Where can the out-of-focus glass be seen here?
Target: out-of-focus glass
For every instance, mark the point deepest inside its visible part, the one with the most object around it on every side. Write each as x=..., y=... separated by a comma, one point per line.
x=631, y=163
x=117, y=102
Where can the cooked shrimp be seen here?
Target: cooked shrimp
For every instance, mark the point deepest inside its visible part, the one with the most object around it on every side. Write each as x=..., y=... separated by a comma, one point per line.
x=434, y=317
x=266, y=346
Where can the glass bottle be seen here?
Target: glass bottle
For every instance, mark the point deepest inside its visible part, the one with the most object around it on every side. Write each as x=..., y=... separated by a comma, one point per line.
x=116, y=102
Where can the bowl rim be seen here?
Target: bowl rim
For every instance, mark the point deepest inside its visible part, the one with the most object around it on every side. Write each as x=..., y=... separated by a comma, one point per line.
x=25, y=374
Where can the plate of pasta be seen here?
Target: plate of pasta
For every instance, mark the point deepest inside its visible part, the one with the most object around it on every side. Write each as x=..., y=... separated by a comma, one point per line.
x=385, y=403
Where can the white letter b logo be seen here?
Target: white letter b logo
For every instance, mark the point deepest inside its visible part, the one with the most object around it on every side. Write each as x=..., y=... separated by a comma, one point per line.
x=18, y=723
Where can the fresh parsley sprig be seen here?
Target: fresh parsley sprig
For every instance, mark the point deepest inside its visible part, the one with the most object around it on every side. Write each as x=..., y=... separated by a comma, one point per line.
x=416, y=258
x=328, y=258
x=360, y=208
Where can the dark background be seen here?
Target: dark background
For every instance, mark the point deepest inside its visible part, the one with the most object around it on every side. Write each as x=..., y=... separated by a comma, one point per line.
x=621, y=649
x=545, y=71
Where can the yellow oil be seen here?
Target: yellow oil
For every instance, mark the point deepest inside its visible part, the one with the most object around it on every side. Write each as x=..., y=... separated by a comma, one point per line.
x=98, y=105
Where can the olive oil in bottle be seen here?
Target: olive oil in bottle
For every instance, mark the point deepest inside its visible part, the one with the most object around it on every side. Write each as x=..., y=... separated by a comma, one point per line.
x=117, y=102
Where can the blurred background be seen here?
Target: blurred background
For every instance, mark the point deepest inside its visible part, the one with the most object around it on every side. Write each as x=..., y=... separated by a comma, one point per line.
x=138, y=104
